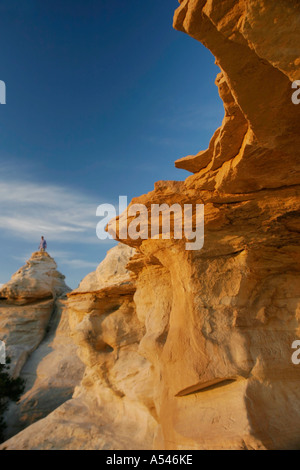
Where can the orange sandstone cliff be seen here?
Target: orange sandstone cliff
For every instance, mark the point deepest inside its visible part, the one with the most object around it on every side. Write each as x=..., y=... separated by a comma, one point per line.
x=192, y=349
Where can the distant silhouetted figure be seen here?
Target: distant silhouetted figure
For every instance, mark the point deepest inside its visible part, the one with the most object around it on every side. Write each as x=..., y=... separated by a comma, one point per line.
x=43, y=244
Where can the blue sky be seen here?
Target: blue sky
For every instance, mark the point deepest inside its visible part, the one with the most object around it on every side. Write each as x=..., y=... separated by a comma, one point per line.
x=102, y=97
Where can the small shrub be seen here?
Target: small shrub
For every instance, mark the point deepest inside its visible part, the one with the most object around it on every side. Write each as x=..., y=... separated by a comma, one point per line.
x=10, y=389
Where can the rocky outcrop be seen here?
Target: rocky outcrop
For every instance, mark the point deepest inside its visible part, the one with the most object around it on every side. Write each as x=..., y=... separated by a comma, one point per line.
x=27, y=302
x=113, y=407
x=38, y=279
x=193, y=350
x=34, y=326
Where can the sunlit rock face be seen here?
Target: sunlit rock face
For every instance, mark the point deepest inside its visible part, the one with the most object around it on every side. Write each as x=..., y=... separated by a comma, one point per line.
x=220, y=322
x=254, y=45
x=38, y=279
x=192, y=349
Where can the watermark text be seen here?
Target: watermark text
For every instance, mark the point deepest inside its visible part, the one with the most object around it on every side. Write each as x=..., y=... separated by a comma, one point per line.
x=2, y=92
x=159, y=221
x=296, y=354
x=296, y=94
x=2, y=353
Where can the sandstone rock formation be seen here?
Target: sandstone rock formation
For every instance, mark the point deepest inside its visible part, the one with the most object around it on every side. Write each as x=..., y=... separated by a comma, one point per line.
x=113, y=407
x=34, y=326
x=193, y=351
x=38, y=279
x=27, y=303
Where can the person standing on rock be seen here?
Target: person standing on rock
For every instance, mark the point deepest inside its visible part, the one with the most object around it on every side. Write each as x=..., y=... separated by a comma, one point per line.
x=43, y=244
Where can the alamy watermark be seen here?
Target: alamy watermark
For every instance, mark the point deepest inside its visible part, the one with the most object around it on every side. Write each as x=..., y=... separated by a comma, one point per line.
x=159, y=221
x=296, y=354
x=296, y=94
x=2, y=353
x=2, y=92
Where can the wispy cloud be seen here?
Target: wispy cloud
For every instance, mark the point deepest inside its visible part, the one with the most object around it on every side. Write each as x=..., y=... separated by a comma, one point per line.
x=30, y=209
x=79, y=264
x=69, y=258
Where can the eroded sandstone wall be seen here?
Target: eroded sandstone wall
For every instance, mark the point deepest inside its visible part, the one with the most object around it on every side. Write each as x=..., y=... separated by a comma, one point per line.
x=230, y=311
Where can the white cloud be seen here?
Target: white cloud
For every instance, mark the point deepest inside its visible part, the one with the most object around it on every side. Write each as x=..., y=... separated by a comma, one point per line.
x=68, y=258
x=29, y=210
x=79, y=263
